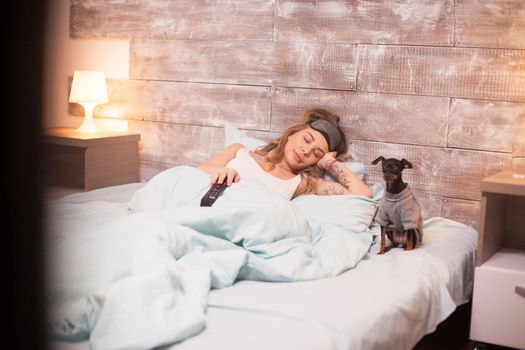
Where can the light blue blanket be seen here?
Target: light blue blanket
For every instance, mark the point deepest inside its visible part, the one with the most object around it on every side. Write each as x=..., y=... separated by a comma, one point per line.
x=136, y=275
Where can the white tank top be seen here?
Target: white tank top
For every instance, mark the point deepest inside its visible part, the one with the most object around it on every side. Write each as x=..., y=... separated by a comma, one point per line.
x=248, y=168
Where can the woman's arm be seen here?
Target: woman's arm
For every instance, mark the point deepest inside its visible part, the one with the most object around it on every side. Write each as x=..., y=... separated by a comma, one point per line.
x=215, y=166
x=347, y=181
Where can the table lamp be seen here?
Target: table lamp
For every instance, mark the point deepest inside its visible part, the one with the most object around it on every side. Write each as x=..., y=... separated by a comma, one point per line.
x=89, y=89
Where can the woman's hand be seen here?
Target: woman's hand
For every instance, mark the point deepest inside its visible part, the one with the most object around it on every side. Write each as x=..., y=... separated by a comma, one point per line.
x=218, y=175
x=216, y=166
x=327, y=160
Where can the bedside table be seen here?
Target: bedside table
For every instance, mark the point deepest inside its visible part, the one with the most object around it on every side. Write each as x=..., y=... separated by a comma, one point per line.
x=90, y=161
x=498, y=303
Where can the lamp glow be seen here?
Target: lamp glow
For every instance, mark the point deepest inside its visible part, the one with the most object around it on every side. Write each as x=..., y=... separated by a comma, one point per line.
x=89, y=89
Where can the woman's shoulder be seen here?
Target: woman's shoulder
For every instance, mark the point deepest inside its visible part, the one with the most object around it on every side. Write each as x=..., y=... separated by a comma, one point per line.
x=229, y=152
x=233, y=149
x=235, y=146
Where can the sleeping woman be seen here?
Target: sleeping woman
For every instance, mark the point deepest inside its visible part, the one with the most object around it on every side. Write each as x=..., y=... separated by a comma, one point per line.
x=293, y=163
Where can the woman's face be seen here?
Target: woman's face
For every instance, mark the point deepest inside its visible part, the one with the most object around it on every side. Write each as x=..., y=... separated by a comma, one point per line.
x=304, y=149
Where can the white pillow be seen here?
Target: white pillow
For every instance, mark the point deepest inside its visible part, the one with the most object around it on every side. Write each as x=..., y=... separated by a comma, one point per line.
x=233, y=135
x=352, y=212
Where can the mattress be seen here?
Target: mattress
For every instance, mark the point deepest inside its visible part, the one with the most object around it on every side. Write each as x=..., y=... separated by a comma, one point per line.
x=386, y=302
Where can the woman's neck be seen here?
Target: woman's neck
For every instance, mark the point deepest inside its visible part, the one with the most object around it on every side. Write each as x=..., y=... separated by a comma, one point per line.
x=284, y=168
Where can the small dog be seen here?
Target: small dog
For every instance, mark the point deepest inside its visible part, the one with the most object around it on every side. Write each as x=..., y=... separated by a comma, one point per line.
x=399, y=213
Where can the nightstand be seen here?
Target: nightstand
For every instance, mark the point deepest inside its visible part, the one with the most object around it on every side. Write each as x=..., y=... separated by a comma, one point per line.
x=90, y=161
x=498, y=304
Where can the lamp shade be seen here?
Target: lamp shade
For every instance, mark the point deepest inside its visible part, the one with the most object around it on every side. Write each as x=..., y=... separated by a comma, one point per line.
x=89, y=87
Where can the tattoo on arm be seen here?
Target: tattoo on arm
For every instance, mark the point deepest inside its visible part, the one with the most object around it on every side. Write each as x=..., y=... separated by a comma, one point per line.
x=341, y=176
x=330, y=188
x=335, y=189
x=345, y=178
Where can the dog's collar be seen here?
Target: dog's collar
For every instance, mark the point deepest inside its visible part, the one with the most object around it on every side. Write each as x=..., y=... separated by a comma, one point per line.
x=329, y=131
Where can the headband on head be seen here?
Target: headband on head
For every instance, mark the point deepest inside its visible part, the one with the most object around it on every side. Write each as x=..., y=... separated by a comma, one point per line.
x=329, y=131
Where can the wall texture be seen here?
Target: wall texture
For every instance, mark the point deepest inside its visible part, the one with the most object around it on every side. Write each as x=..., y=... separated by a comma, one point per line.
x=439, y=82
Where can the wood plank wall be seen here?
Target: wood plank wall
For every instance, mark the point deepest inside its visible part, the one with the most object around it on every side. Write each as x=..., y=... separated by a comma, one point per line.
x=439, y=82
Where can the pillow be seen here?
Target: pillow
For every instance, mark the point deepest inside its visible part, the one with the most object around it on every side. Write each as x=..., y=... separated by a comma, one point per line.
x=233, y=135
x=352, y=212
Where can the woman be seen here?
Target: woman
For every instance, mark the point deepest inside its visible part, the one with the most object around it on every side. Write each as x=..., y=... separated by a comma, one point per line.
x=293, y=163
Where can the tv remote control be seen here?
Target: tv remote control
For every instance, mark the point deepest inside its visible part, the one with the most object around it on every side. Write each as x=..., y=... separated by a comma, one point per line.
x=214, y=192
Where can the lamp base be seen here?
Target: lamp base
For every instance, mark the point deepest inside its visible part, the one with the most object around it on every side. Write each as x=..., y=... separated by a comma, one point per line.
x=88, y=125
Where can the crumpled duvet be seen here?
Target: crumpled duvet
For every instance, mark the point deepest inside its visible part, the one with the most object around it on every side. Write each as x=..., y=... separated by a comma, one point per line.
x=136, y=275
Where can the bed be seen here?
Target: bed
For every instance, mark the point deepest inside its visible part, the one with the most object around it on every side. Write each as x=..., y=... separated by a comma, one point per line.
x=143, y=266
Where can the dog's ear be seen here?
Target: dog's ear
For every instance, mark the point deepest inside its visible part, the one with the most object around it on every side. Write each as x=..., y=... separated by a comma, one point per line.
x=406, y=164
x=380, y=158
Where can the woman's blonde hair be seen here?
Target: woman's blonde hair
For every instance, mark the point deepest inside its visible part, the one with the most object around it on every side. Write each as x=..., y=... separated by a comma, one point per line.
x=273, y=151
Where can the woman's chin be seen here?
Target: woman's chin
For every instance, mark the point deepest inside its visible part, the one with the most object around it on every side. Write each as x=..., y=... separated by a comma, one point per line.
x=295, y=165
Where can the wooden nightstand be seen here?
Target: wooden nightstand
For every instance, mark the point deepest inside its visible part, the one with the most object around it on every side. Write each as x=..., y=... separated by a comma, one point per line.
x=90, y=161
x=498, y=305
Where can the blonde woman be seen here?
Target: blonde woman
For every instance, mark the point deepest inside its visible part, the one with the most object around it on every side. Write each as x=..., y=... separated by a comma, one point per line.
x=293, y=164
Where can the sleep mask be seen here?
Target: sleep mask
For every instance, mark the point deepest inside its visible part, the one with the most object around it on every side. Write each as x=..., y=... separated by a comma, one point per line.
x=329, y=131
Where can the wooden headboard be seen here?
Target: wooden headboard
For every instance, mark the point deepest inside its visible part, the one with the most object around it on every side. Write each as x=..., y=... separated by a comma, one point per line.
x=441, y=83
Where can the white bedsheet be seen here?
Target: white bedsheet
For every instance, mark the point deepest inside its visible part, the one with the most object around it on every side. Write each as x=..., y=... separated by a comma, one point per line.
x=388, y=302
